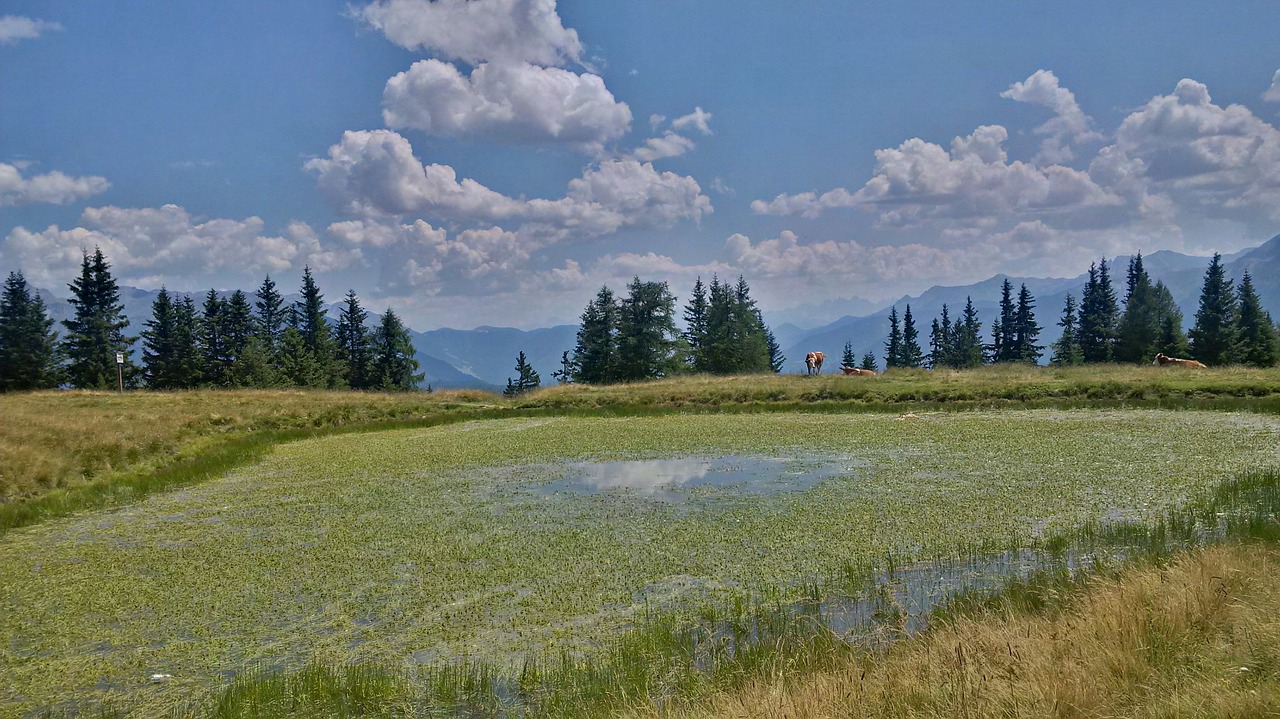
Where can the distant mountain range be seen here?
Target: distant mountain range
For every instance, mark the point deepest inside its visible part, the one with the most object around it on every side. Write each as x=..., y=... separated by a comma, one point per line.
x=484, y=357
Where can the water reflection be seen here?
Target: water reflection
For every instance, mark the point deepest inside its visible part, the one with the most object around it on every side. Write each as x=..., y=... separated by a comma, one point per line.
x=671, y=479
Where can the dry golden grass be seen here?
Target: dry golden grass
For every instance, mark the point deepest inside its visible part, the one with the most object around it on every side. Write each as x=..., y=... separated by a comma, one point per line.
x=59, y=440
x=1199, y=638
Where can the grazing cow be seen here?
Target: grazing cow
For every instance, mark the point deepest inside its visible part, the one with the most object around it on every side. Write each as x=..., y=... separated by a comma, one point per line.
x=1163, y=359
x=856, y=372
x=813, y=363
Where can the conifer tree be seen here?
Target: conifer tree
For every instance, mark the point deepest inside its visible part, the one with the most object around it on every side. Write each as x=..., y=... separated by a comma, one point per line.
x=753, y=348
x=595, y=356
x=526, y=378
x=272, y=315
x=646, y=332
x=848, y=359
x=353, y=342
x=968, y=344
x=317, y=336
x=1026, y=331
x=1170, y=339
x=942, y=341
x=869, y=361
x=564, y=375
x=776, y=358
x=1098, y=313
x=158, y=348
x=1139, y=325
x=1066, y=351
x=95, y=333
x=911, y=354
x=215, y=358
x=298, y=366
x=237, y=327
x=1213, y=338
x=893, y=345
x=695, y=322
x=1002, y=347
x=394, y=367
x=28, y=344
x=186, y=370
x=1255, y=333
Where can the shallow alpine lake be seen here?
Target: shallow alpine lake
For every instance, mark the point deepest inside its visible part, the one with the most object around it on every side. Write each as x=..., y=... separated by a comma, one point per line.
x=510, y=538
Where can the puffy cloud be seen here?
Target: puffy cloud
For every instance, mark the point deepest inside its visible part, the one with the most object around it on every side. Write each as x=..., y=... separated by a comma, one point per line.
x=375, y=174
x=167, y=244
x=516, y=102
x=1183, y=150
x=657, y=148
x=919, y=181
x=54, y=187
x=1069, y=126
x=15, y=27
x=698, y=119
x=476, y=31
x=1273, y=93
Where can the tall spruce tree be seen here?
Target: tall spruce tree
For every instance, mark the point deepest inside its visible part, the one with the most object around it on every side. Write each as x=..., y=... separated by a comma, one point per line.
x=394, y=367
x=526, y=378
x=159, y=350
x=647, y=335
x=1139, y=325
x=317, y=336
x=95, y=333
x=28, y=344
x=911, y=354
x=1002, y=347
x=273, y=317
x=776, y=358
x=753, y=350
x=868, y=361
x=215, y=358
x=848, y=359
x=1098, y=315
x=967, y=344
x=238, y=326
x=695, y=322
x=187, y=366
x=595, y=356
x=893, y=345
x=354, y=342
x=1066, y=351
x=1255, y=332
x=1026, y=331
x=1213, y=338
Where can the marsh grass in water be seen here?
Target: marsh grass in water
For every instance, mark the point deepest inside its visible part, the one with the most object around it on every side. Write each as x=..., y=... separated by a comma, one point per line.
x=437, y=544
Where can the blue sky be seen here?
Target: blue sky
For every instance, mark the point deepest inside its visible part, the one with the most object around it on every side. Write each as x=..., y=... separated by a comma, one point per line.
x=496, y=161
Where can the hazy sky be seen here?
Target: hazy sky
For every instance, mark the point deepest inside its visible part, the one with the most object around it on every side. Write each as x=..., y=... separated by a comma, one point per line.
x=496, y=161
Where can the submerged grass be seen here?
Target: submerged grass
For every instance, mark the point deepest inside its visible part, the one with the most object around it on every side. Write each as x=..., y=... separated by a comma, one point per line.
x=433, y=548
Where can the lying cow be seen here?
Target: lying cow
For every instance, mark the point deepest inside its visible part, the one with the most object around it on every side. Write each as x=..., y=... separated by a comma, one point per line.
x=1163, y=359
x=856, y=372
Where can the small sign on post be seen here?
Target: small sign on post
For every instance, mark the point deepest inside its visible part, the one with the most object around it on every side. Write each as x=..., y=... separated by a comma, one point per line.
x=120, y=371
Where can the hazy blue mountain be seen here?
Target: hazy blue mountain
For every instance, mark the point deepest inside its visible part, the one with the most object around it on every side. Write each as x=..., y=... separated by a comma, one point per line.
x=489, y=353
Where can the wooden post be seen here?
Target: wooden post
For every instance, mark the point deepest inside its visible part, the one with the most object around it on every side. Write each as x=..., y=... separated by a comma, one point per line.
x=120, y=372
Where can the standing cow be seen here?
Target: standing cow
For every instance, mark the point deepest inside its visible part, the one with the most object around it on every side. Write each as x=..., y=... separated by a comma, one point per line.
x=813, y=363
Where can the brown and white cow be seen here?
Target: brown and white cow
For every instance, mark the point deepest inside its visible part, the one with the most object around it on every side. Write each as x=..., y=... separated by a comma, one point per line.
x=1163, y=359
x=813, y=363
x=857, y=372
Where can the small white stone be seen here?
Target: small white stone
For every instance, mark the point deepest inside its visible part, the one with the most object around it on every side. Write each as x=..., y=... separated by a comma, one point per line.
x=157, y=678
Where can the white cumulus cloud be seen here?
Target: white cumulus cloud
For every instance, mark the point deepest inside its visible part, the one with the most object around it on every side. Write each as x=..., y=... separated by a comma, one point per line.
x=698, y=119
x=657, y=148
x=166, y=244
x=1273, y=93
x=517, y=102
x=16, y=27
x=53, y=187
x=1069, y=126
x=477, y=31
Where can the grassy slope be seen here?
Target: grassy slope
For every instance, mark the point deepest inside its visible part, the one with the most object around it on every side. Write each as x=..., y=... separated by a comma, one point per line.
x=65, y=451
x=1196, y=638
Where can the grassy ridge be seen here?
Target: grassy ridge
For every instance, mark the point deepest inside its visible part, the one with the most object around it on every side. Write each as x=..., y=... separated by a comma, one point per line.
x=66, y=451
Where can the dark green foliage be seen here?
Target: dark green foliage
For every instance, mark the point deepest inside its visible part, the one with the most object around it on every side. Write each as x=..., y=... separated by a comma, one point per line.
x=394, y=367
x=186, y=368
x=1140, y=326
x=1002, y=347
x=1098, y=316
x=942, y=340
x=1255, y=332
x=868, y=361
x=316, y=334
x=28, y=344
x=893, y=345
x=96, y=331
x=272, y=316
x=215, y=357
x=1066, y=351
x=967, y=345
x=647, y=335
x=695, y=321
x=847, y=359
x=1170, y=339
x=736, y=340
x=910, y=354
x=298, y=366
x=526, y=378
x=158, y=349
x=595, y=357
x=1026, y=331
x=238, y=325
x=353, y=341
x=1213, y=338
x=776, y=358
x=564, y=375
